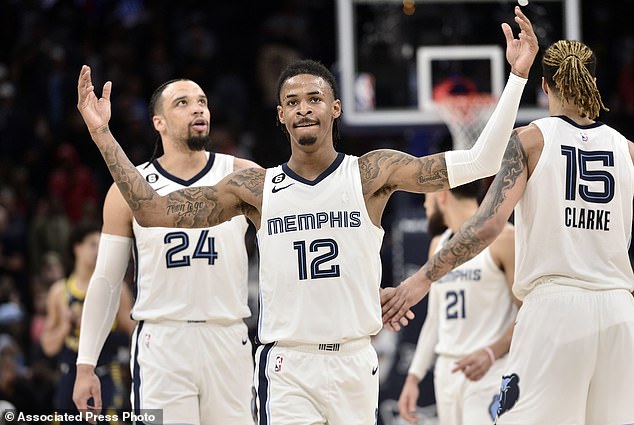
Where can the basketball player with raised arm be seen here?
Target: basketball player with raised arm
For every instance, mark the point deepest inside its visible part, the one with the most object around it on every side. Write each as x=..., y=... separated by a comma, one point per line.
x=191, y=355
x=318, y=220
x=570, y=180
x=469, y=323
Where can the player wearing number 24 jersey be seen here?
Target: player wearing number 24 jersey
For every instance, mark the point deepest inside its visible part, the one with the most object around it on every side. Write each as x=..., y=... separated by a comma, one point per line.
x=191, y=284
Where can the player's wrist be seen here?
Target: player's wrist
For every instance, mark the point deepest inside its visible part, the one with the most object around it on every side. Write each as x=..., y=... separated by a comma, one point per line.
x=412, y=379
x=85, y=369
x=490, y=353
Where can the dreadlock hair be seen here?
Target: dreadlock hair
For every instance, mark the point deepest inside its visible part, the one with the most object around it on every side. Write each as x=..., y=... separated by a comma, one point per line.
x=310, y=67
x=569, y=67
x=152, y=109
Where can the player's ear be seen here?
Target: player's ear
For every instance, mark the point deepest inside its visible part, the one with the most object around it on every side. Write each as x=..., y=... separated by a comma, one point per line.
x=336, y=108
x=158, y=123
x=544, y=86
x=280, y=115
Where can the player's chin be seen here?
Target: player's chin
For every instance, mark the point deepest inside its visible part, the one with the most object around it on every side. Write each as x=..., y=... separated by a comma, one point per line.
x=307, y=140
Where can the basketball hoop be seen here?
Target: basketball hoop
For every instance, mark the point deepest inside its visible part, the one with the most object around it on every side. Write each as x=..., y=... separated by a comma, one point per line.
x=465, y=115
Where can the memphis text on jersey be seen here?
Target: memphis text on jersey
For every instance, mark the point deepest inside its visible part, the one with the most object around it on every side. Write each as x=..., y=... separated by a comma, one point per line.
x=311, y=221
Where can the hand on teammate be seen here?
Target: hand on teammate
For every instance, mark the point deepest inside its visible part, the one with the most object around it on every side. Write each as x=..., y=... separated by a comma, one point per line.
x=396, y=302
x=395, y=324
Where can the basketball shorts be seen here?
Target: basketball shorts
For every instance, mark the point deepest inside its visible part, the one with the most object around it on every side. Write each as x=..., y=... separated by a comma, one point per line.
x=197, y=373
x=460, y=401
x=571, y=359
x=334, y=384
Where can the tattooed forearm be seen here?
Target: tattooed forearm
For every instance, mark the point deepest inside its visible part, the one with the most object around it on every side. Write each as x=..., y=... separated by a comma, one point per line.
x=191, y=207
x=132, y=186
x=481, y=229
x=433, y=173
x=514, y=163
x=460, y=249
x=391, y=170
x=195, y=207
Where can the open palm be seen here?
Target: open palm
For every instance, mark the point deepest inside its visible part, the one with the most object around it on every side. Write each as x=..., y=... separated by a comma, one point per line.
x=521, y=51
x=95, y=112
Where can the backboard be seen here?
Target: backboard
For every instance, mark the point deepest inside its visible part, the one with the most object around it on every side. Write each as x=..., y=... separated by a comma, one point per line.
x=393, y=54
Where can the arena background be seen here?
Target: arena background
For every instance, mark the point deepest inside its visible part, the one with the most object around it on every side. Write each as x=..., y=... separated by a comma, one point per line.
x=52, y=177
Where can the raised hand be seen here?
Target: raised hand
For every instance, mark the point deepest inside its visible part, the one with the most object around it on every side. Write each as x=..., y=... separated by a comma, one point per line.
x=95, y=112
x=520, y=51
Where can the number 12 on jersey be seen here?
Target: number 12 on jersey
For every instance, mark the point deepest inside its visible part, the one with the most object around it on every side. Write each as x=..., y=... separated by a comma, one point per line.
x=317, y=267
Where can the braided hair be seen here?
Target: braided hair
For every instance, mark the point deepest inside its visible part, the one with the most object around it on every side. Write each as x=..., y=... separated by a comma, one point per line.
x=153, y=110
x=569, y=67
x=310, y=67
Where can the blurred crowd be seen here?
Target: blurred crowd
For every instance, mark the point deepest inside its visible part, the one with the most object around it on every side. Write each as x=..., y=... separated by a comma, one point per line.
x=51, y=175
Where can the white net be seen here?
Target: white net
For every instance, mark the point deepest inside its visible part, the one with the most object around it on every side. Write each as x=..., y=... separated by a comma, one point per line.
x=465, y=115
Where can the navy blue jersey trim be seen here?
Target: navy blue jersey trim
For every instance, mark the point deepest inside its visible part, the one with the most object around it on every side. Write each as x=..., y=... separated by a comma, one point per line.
x=201, y=174
x=136, y=373
x=328, y=171
x=582, y=127
x=263, y=385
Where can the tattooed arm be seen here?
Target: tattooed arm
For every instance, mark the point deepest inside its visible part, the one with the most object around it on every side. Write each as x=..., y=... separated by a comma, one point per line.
x=385, y=171
x=238, y=193
x=480, y=230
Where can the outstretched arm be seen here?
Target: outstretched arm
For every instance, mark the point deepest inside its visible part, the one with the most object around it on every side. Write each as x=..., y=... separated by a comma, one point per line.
x=399, y=171
x=191, y=207
x=474, y=235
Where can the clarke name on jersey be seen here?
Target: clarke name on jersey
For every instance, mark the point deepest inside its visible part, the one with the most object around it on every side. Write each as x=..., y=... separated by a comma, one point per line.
x=586, y=218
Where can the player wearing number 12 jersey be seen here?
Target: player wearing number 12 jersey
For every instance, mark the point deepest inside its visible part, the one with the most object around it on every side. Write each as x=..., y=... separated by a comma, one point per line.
x=330, y=375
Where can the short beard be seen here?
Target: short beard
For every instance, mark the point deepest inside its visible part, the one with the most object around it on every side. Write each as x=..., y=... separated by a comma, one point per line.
x=307, y=141
x=435, y=224
x=198, y=143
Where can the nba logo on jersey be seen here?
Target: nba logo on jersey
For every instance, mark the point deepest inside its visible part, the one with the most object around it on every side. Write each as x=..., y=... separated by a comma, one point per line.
x=278, y=363
x=584, y=137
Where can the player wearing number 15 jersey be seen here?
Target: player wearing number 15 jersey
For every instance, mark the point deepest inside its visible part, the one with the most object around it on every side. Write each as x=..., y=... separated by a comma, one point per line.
x=570, y=180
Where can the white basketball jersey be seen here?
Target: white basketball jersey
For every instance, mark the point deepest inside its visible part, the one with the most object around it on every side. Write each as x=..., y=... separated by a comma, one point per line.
x=320, y=268
x=191, y=274
x=574, y=220
x=474, y=305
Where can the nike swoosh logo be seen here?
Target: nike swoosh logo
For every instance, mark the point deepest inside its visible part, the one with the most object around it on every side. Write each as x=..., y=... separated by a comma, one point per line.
x=277, y=189
x=374, y=370
x=244, y=342
x=159, y=188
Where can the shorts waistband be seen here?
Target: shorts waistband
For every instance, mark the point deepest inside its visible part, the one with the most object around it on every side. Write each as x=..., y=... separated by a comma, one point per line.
x=328, y=347
x=167, y=322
